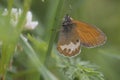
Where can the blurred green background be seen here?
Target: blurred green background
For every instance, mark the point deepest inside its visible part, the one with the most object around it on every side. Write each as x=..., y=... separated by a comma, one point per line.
x=105, y=14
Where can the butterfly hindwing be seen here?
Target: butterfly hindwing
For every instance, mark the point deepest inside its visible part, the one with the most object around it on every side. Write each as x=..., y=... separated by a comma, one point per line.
x=68, y=43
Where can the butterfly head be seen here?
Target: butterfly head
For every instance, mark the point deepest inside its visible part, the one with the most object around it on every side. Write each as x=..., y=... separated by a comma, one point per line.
x=67, y=21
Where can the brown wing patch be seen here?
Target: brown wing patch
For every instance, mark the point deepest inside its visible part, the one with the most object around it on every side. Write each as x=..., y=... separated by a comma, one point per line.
x=89, y=36
x=69, y=43
x=70, y=49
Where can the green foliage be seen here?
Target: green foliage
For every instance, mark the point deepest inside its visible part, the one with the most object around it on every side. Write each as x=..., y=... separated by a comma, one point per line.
x=76, y=69
x=36, y=62
x=37, y=59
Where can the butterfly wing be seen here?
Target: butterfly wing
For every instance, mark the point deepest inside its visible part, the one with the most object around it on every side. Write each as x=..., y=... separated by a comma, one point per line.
x=68, y=43
x=89, y=36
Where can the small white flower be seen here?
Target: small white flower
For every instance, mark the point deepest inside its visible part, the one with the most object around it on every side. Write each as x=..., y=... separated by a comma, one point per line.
x=30, y=24
x=16, y=13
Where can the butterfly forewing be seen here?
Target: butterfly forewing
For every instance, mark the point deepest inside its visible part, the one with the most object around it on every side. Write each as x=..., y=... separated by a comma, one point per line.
x=90, y=36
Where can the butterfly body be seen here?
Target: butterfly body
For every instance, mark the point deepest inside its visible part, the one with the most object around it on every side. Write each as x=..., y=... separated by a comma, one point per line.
x=74, y=33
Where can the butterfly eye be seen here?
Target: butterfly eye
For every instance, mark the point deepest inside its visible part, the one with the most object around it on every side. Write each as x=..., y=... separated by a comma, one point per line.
x=77, y=40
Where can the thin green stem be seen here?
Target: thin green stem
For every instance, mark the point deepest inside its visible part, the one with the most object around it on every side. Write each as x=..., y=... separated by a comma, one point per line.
x=9, y=45
x=10, y=3
x=35, y=60
x=7, y=53
x=53, y=33
x=21, y=22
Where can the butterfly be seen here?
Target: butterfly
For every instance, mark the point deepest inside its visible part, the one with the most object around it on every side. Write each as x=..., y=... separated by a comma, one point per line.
x=74, y=34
